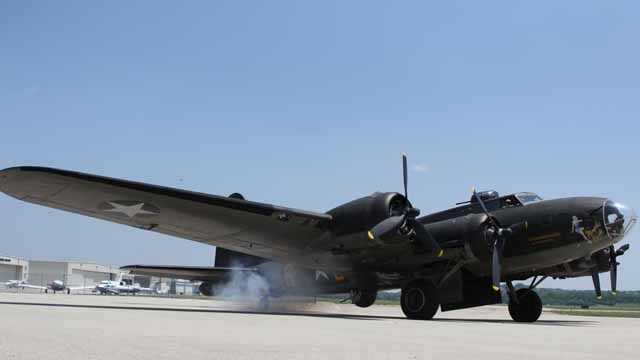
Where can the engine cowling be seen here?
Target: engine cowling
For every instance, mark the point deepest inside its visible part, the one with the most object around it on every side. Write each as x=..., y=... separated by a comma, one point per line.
x=362, y=214
x=469, y=229
x=476, y=236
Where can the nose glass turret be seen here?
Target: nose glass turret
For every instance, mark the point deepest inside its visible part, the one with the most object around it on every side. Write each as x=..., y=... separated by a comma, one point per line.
x=618, y=219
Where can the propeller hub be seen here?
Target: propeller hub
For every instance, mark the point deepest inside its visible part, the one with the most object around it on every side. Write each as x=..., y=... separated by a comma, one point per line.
x=402, y=220
x=413, y=212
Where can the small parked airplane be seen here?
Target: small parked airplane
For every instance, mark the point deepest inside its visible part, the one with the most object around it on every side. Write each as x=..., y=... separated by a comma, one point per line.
x=117, y=287
x=55, y=286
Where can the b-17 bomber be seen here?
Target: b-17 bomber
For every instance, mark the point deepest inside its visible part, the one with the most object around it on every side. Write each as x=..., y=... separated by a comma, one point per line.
x=453, y=259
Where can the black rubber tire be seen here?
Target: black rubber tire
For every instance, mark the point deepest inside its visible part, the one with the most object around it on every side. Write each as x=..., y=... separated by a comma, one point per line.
x=206, y=288
x=528, y=308
x=365, y=299
x=419, y=300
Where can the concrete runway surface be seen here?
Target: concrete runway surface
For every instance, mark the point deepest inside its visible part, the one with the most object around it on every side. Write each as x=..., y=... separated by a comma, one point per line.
x=70, y=327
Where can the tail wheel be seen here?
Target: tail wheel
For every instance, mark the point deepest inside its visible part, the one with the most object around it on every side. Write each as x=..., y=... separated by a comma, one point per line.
x=419, y=300
x=528, y=308
x=363, y=299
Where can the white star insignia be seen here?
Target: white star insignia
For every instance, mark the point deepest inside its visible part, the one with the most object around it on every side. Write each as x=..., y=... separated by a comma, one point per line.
x=129, y=210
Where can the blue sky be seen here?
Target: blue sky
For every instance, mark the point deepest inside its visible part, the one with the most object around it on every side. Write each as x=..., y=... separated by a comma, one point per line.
x=309, y=105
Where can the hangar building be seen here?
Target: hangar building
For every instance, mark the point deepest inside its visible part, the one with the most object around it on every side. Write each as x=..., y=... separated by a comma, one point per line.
x=12, y=268
x=72, y=273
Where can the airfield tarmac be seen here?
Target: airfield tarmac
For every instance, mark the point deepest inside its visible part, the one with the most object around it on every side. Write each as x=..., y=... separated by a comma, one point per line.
x=47, y=326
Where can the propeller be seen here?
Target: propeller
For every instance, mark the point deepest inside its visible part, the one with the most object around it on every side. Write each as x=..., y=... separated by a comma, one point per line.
x=622, y=249
x=613, y=270
x=499, y=235
x=614, y=265
x=596, y=282
x=407, y=221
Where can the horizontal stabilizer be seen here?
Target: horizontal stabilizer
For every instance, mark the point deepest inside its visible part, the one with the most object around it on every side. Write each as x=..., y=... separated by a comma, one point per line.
x=202, y=273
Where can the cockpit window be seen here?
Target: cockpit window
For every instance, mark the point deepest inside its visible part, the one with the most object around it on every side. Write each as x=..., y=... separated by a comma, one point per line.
x=509, y=202
x=528, y=198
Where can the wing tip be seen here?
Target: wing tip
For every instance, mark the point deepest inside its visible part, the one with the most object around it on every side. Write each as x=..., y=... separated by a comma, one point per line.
x=6, y=173
x=25, y=168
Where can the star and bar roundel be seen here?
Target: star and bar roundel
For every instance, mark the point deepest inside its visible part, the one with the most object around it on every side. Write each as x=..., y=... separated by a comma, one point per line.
x=129, y=208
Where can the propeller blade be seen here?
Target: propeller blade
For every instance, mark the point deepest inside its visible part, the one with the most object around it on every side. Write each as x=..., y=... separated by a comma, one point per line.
x=386, y=226
x=405, y=175
x=613, y=270
x=484, y=208
x=596, y=282
x=496, y=263
x=424, y=237
x=622, y=249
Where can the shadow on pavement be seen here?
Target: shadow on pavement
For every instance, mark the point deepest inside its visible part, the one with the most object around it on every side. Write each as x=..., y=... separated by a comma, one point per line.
x=297, y=313
x=537, y=323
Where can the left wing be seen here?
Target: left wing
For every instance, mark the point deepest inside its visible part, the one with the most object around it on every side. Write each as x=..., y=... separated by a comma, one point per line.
x=258, y=229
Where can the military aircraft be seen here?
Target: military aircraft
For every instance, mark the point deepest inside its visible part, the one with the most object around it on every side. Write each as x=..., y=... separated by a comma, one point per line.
x=450, y=260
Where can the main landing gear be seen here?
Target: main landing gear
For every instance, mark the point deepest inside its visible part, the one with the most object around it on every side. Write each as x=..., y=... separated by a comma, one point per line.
x=363, y=298
x=419, y=300
x=524, y=304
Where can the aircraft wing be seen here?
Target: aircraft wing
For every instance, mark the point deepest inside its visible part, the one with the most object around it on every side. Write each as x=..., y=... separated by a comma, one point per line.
x=29, y=286
x=200, y=273
x=258, y=229
x=80, y=288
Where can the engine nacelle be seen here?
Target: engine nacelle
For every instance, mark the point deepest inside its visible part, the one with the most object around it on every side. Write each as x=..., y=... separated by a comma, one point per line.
x=469, y=229
x=476, y=238
x=363, y=214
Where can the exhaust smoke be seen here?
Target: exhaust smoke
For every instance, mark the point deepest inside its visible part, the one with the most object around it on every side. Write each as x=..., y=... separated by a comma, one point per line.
x=271, y=281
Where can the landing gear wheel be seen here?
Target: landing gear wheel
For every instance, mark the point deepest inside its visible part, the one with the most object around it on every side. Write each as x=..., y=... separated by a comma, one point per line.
x=206, y=288
x=263, y=304
x=419, y=300
x=528, y=308
x=363, y=299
